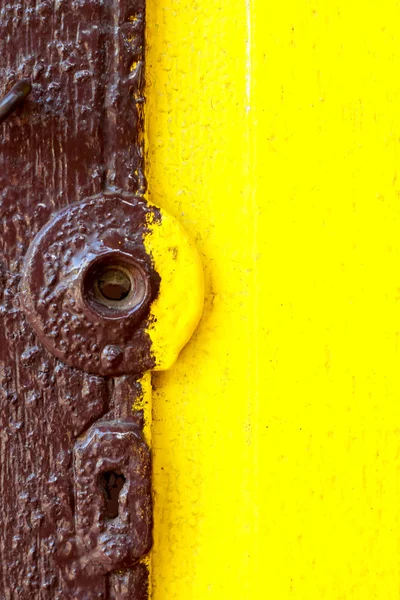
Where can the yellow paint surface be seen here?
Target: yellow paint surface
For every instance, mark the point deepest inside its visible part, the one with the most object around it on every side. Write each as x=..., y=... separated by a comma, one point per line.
x=176, y=311
x=274, y=137
x=144, y=403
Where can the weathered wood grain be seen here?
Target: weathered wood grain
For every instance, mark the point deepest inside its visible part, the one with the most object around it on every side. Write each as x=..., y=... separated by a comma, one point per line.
x=76, y=135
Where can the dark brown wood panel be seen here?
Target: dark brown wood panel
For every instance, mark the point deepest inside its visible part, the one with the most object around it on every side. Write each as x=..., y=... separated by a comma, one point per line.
x=76, y=135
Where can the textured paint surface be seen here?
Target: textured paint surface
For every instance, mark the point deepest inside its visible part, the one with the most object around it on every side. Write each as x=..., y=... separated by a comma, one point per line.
x=274, y=136
x=60, y=294
x=77, y=133
x=176, y=311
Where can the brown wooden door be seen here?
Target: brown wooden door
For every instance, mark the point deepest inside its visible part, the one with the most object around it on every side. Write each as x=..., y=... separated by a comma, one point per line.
x=76, y=136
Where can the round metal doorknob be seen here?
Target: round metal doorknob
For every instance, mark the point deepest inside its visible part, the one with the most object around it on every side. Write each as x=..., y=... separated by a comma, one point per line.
x=88, y=284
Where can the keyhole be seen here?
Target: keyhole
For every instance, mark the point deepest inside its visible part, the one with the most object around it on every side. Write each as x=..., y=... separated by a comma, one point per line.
x=114, y=287
x=112, y=484
x=114, y=284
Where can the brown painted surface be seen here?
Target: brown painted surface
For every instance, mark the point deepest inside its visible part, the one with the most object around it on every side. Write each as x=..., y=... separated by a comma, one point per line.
x=100, y=537
x=76, y=136
x=60, y=288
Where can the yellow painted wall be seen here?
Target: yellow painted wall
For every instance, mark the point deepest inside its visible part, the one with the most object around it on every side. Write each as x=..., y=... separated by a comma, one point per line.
x=274, y=136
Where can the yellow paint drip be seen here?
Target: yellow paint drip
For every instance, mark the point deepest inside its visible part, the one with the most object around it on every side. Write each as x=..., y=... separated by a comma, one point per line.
x=135, y=65
x=143, y=402
x=177, y=310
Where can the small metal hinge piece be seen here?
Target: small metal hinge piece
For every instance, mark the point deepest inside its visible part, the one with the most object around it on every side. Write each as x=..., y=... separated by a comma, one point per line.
x=14, y=98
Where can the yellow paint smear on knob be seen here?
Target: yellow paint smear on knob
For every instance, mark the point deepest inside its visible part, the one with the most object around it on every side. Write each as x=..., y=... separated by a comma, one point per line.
x=177, y=310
